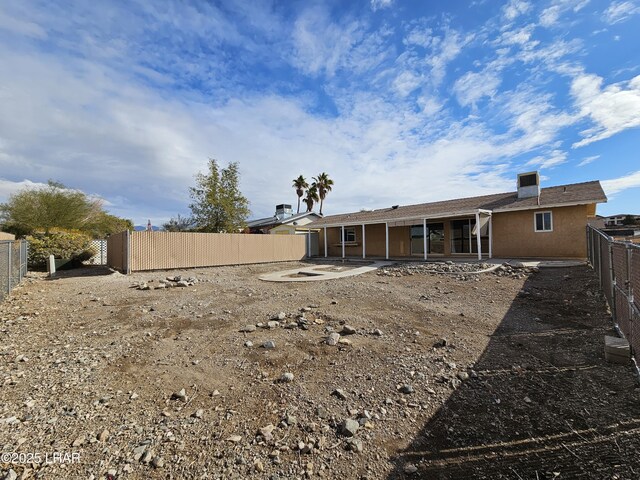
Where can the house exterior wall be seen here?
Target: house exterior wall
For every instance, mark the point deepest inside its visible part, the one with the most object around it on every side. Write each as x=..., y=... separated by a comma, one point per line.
x=514, y=234
x=7, y=236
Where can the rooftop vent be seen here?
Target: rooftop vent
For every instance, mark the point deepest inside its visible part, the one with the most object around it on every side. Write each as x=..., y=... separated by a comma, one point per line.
x=528, y=185
x=283, y=211
x=395, y=206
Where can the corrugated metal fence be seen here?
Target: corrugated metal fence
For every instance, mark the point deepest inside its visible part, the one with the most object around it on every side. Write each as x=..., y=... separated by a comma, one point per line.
x=13, y=265
x=618, y=268
x=138, y=251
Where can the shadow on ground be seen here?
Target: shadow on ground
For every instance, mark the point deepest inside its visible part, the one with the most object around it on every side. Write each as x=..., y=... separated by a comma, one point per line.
x=545, y=404
x=86, y=271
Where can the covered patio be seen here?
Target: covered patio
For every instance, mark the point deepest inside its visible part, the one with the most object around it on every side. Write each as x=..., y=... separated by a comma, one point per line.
x=425, y=237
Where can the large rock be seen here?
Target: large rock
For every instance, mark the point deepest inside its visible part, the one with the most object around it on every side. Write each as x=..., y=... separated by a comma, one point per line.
x=333, y=339
x=349, y=427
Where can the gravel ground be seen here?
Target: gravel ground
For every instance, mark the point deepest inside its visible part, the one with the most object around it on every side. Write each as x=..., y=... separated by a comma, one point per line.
x=402, y=373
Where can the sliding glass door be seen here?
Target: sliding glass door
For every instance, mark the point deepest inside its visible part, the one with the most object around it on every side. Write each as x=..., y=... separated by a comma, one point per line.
x=435, y=239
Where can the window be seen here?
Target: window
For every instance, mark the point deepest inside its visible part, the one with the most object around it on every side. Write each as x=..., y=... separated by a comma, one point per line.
x=349, y=234
x=543, y=222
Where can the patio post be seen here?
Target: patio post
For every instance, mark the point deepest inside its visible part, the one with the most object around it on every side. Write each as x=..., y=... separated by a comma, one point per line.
x=386, y=240
x=424, y=237
x=325, y=242
x=491, y=236
x=364, y=243
x=308, y=243
x=342, y=232
x=478, y=242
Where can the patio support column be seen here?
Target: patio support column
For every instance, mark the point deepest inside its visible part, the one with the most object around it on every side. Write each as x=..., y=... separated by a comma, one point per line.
x=308, y=243
x=491, y=236
x=479, y=243
x=364, y=243
x=424, y=237
x=342, y=239
x=386, y=240
x=325, y=242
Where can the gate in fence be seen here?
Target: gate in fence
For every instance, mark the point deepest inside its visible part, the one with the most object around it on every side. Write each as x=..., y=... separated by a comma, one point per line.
x=13, y=265
x=100, y=258
x=618, y=267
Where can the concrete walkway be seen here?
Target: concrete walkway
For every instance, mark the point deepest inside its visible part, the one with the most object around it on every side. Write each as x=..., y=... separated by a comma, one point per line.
x=318, y=273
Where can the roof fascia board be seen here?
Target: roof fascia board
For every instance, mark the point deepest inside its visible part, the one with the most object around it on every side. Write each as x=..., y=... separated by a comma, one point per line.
x=404, y=219
x=552, y=205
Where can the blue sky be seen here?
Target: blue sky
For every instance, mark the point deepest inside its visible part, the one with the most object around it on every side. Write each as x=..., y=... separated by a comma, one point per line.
x=398, y=101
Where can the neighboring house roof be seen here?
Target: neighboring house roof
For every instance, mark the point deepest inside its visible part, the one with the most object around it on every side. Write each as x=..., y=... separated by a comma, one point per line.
x=270, y=221
x=563, y=195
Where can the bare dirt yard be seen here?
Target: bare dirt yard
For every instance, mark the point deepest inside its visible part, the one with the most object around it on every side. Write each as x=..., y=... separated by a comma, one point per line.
x=398, y=373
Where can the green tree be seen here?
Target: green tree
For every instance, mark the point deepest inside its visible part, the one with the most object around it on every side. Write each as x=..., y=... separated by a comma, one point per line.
x=324, y=184
x=300, y=184
x=629, y=220
x=55, y=206
x=312, y=196
x=179, y=224
x=218, y=205
x=103, y=224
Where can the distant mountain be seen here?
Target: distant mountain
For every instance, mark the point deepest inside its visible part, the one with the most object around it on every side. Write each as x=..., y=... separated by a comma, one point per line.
x=140, y=228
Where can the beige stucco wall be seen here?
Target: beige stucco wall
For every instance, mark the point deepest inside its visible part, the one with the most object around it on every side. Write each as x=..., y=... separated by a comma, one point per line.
x=7, y=236
x=514, y=234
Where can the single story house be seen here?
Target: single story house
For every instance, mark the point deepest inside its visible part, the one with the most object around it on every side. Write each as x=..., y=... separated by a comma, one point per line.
x=283, y=222
x=531, y=222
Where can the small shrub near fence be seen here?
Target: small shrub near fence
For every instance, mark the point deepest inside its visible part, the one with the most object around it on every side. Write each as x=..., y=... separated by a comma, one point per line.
x=13, y=265
x=618, y=267
x=74, y=246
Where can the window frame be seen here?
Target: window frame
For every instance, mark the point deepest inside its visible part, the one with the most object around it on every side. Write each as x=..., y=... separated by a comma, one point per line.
x=535, y=222
x=347, y=232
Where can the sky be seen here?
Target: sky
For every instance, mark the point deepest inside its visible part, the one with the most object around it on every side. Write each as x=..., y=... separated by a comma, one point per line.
x=400, y=102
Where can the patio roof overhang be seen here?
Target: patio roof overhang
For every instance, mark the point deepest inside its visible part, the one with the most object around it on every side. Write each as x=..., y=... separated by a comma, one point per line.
x=405, y=221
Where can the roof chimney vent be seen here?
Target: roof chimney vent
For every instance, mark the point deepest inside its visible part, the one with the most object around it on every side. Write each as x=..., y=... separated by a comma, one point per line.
x=528, y=185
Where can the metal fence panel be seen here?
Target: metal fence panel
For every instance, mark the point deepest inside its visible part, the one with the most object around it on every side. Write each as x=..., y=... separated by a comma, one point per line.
x=13, y=265
x=618, y=267
x=634, y=274
x=606, y=271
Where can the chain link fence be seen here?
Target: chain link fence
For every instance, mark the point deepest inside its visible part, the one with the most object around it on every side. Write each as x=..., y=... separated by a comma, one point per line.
x=618, y=267
x=13, y=265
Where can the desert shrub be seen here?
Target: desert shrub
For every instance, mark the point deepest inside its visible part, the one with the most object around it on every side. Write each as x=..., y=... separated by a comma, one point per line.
x=61, y=244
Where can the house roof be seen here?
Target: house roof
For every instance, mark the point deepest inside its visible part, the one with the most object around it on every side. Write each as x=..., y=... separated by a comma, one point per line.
x=563, y=195
x=271, y=221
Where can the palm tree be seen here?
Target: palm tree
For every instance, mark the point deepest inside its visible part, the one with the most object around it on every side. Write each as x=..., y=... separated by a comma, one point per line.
x=324, y=184
x=312, y=196
x=300, y=184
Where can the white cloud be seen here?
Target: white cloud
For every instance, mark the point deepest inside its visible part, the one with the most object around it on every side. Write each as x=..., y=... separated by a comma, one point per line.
x=520, y=36
x=515, y=8
x=446, y=49
x=406, y=82
x=8, y=187
x=321, y=45
x=16, y=25
x=620, y=11
x=550, y=16
x=472, y=86
x=553, y=159
x=617, y=185
x=588, y=160
x=612, y=109
x=380, y=4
